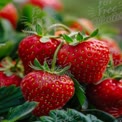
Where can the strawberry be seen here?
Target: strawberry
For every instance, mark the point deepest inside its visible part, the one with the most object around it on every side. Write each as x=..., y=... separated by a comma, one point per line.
x=48, y=87
x=9, y=80
x=10, y=73
x=31, y=47
x=49, y=90
x=82, y=24
x=88, y=59
x=9, y=12
x=115, y=50
x=107, y=96
x=56, y=4
x=116, y=112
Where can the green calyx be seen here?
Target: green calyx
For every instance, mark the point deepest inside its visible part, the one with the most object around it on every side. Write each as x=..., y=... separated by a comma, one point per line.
x=75, y=38
x=45, y=67
x=46, y=33
x=9, y=67
x=112, y=71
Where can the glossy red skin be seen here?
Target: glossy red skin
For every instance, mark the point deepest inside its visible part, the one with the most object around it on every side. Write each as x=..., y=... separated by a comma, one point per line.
x=49, y=90
x=9, y=80
x=9, y=12
x=56, y=4
x=115, y=50
x=31, y=47
x=88, y=60
x=107, y=96
x=116, y=112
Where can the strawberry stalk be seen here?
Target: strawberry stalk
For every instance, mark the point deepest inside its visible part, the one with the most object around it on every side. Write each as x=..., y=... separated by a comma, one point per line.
x=59, y=71
x=56, y=26
x=55, y=57
x=53, y=69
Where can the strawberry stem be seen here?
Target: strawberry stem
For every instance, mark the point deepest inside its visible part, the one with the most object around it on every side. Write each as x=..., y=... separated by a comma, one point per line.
x=54, y=26
x=55, y=57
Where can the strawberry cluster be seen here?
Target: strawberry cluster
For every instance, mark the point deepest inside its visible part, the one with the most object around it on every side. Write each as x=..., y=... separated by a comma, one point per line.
x=58, y=64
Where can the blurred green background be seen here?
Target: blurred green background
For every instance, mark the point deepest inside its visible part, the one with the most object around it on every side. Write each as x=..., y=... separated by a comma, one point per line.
x=91, y=8
x=108, y=13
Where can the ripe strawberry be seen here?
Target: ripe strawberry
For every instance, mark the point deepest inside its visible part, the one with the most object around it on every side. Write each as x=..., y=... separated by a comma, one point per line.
x=9, y=12
x=56, y=4
x=9, y=80
x=115, y=50
x=82, y=24
x=88, y=59
x=9, y=73
x=50, y=88
x=31, y=47
x=116, y=112
x=107, y=96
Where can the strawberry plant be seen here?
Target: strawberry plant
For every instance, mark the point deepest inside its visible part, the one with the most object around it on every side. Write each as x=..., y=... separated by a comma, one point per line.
x=88, y=57
x=11, y=73
x=10, y=96
x=71, y=115
x=107, y=94
x=56, y=72
x=52, y=89
x=32, y=47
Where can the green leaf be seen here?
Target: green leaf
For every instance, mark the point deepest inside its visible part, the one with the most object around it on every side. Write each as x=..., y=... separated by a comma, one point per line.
x=6, y=48
x=46, y=119
x=46, y=67
x=79, y=37
x=70, y=115
x=118, y=68
x=6, y=28
x=105, y=117
x=9, y=38
x=39, y=30
x=94, y=33
x=86, y=38
x=79, y=92
x=37, y=64
x=93, y=118
x=67, y=38
x=9, y=97
x=20, y=111
x=4, y=2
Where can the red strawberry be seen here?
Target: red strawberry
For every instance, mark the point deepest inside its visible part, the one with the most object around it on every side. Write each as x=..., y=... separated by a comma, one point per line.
x=56, y=4
x=116, y=112
x=88, y=60
x=50, y=88
x=82, y=25
x=9, y=12
x=107, y=96
x=115, y=50
x=9, y=73
x=9, y=80
x=31, y=47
